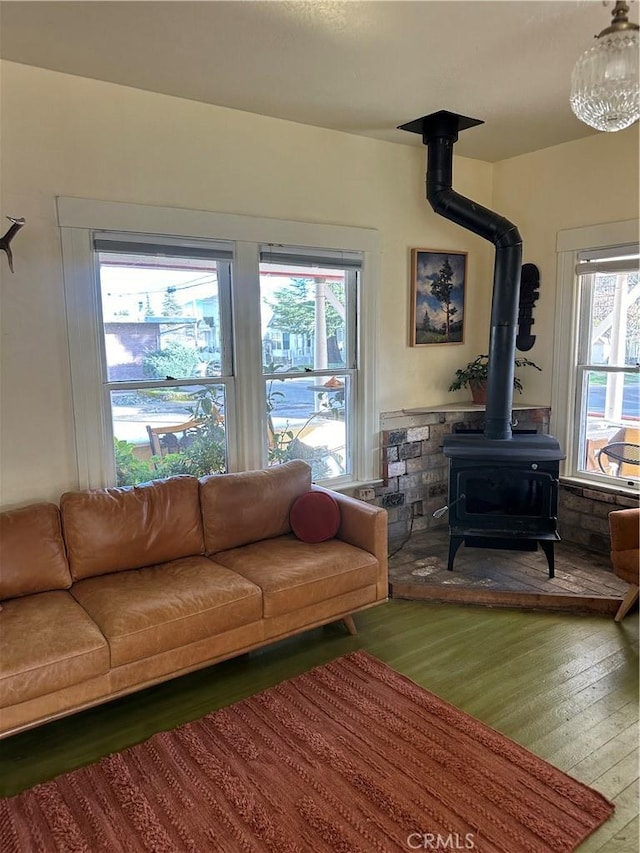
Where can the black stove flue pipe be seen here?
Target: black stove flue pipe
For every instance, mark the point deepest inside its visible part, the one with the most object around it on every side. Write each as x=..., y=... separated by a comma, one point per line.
x=439, y=133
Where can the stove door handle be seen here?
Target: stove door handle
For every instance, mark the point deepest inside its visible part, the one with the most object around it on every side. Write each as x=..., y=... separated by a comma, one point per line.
x=440, y=512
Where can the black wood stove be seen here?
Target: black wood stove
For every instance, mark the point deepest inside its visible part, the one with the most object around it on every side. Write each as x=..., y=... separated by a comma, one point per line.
x=503, y=488
x=503, y=494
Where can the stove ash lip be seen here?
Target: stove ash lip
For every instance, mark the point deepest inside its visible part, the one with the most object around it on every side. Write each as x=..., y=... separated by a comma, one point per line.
x=519, y=448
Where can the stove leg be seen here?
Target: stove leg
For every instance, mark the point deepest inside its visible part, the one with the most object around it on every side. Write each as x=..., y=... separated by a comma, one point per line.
x=454, y=543
x=547, y=547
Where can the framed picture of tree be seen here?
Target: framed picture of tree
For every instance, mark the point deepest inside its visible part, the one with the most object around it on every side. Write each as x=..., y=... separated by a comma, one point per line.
x=438, y=282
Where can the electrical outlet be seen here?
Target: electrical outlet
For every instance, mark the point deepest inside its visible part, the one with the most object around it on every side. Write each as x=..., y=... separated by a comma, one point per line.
x=366, y=494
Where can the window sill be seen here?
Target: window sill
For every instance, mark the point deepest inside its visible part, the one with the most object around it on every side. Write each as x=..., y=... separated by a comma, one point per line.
x=606, y=488
x=351, y=485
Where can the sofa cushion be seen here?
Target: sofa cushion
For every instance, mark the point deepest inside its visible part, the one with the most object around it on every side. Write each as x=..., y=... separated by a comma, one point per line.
x=241, y=508
x=315, y=517
x=118, y=529
x=293, y=574
x=47, y=643
x=32, y=556
x=147, y=611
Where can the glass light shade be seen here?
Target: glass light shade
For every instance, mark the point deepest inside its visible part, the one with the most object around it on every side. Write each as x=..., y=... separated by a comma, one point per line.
x=604, y=84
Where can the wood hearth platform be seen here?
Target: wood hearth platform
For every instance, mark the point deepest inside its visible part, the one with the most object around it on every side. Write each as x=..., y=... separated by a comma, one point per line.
x=584, y=581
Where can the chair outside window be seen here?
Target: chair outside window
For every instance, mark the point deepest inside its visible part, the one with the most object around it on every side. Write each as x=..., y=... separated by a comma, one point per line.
x=619, y=458
x=172, y=439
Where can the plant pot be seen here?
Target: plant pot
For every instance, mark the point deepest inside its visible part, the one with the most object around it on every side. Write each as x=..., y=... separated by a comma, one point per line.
x=478, y=392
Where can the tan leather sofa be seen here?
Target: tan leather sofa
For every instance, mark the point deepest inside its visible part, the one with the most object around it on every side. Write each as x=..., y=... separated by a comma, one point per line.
x=121, y=588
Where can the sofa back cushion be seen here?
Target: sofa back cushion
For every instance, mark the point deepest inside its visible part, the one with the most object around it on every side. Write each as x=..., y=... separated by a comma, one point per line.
x=241, y=508
x=32, y=554
x=112, y=530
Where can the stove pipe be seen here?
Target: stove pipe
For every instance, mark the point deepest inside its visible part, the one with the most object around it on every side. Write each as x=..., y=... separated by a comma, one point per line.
x=439, y=132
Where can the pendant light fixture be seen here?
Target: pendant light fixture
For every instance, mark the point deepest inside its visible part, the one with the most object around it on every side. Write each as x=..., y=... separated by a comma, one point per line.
x=604, y=85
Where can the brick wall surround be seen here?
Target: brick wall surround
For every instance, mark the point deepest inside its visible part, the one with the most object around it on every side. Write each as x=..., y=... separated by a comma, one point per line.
x=415, y=476
x=583, y=515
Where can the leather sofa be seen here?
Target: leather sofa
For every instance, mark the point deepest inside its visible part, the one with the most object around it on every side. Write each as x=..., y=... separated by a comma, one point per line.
x=121, y=588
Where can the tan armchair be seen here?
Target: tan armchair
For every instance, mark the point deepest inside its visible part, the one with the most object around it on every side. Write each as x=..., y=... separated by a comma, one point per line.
x=624, y=526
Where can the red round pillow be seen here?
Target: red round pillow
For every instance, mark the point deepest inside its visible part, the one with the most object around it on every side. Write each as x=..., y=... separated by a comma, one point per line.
x=315, y=517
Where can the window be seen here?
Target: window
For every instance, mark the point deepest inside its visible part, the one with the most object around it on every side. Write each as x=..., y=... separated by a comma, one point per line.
x=607, y=378
x=165, y=320
x=198, y=355
x=600, y=287
x=308, y=308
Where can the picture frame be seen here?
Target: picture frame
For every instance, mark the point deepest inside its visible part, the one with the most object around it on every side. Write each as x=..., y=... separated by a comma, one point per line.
x=438, y=285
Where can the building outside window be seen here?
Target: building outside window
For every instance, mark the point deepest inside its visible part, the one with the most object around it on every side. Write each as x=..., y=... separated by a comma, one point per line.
x=597, y=400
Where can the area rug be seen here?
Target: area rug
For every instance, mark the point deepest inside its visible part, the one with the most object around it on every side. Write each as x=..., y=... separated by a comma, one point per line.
x=350, y=757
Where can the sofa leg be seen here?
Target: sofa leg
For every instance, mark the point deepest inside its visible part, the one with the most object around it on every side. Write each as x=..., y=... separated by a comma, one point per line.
x=350, y=625
x=627, y=602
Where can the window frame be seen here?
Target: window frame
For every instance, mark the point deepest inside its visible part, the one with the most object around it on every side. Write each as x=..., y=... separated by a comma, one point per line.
x=80, y=219
x=570, y=361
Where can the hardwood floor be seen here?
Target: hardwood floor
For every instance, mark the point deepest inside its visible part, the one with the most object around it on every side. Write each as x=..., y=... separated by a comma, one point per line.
x=565, y=686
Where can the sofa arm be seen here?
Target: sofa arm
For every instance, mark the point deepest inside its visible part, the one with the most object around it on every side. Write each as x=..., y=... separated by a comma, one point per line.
x=364, y=526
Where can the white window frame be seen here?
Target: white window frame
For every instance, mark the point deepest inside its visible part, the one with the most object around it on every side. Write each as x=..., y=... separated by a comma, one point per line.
x=567, y=366
x=79, y=219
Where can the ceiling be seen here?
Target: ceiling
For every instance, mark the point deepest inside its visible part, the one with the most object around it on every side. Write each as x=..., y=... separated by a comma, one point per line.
x=358, y=67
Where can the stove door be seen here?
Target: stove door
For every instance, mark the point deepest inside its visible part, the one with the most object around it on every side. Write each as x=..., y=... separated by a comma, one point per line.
x=504, y=499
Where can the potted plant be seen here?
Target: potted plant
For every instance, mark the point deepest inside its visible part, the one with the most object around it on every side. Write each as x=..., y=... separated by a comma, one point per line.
x=474, y=375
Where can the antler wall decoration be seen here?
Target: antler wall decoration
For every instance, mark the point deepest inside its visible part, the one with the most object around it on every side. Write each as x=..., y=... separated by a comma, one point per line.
x=8, y=237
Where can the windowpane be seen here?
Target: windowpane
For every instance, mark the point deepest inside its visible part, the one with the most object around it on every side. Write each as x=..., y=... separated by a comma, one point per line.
x=161, y=316
x=304, y=317
x=614, y=337
x=164, y=430
x=308, y=325
x=610, y=415
x=307, y=420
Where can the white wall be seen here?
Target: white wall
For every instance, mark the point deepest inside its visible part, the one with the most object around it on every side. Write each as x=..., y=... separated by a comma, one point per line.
x=586, y=182
x=69, y=136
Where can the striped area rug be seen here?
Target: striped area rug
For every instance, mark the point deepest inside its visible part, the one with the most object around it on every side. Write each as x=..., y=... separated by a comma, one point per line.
x=350, y=757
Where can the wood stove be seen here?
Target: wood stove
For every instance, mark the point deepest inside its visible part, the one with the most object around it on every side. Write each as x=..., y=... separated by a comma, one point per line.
x=503, y=488
x=503, y=494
